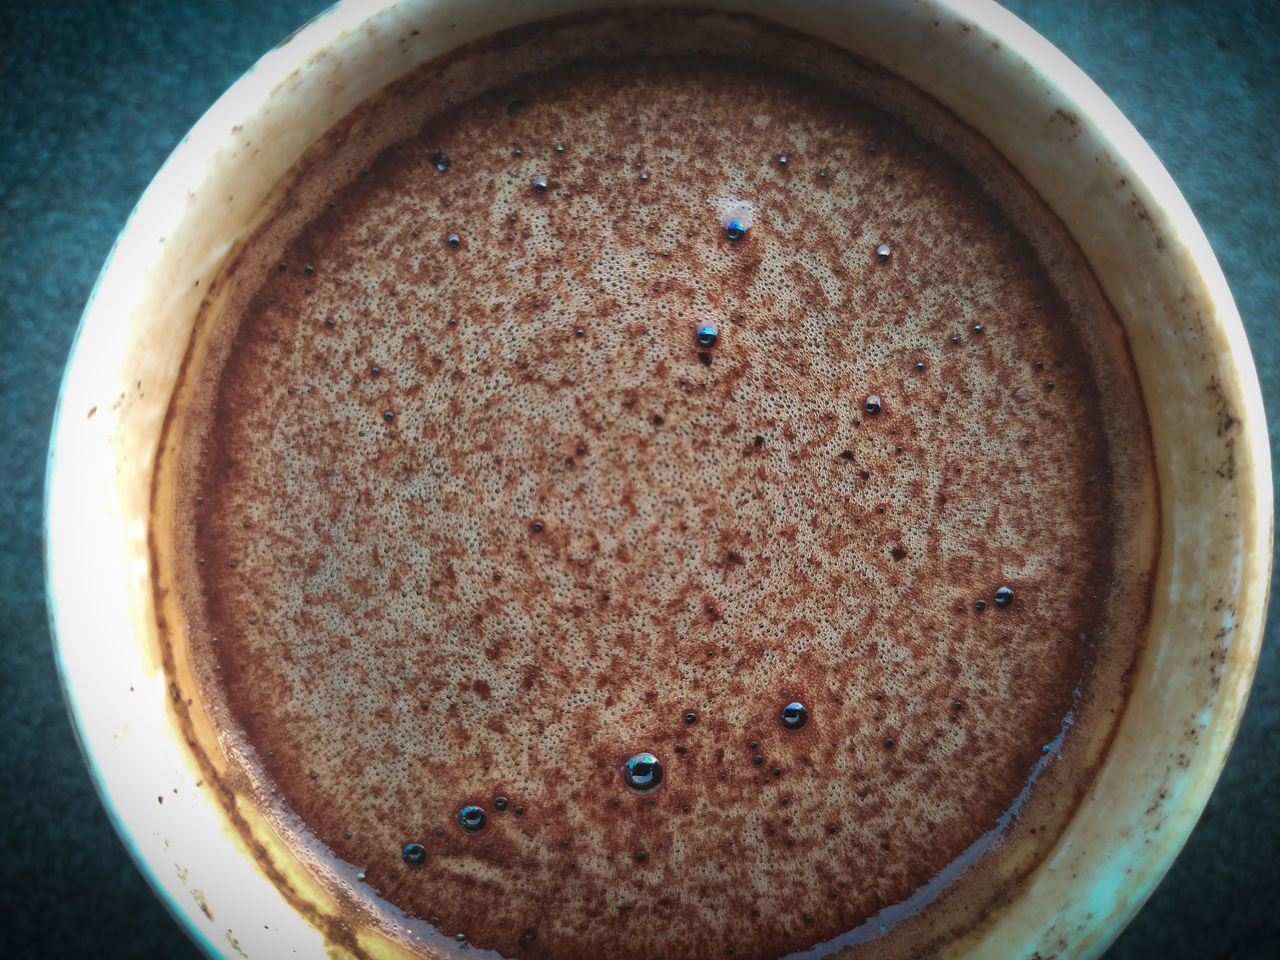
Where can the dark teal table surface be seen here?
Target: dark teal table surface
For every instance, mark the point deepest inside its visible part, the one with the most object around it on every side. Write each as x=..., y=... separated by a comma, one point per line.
x=94, y=95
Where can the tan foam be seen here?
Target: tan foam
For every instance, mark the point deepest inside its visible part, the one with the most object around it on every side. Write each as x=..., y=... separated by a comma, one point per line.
x=722, y=531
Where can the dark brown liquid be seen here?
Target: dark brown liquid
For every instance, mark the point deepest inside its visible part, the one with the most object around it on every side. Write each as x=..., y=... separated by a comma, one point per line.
x=484, y=519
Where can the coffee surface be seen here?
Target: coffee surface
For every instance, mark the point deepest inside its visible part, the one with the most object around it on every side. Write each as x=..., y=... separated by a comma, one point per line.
x=473, y=514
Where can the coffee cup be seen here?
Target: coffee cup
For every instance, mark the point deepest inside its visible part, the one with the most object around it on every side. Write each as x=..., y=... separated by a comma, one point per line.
x=1055, y=128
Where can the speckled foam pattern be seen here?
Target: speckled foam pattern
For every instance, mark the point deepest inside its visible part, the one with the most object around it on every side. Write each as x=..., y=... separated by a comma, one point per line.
x=816, y=508
x=92, y=98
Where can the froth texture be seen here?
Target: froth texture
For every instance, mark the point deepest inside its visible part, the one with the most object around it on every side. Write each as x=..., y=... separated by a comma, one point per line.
x=472, y=514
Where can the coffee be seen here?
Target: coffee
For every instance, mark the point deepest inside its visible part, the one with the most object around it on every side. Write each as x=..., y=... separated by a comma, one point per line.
x=659, y=487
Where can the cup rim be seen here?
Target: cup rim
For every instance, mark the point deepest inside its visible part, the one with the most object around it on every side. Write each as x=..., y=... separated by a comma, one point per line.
x=257, y=85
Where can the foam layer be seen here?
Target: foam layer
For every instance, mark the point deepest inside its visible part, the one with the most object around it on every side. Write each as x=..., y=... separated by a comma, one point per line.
x=482, y=519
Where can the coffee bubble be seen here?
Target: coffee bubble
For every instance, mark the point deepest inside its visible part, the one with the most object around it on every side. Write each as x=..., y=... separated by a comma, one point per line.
x=708, y=333
x=642, y=773
x=472, y=819
x=794, y=716
x=736, y=216
x=414, y=854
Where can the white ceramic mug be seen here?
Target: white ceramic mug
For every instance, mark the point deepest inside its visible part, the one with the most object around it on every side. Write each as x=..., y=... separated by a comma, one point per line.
x=226, y=875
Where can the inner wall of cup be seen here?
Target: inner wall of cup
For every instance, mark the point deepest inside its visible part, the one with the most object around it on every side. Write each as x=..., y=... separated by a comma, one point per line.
x=1117, y=205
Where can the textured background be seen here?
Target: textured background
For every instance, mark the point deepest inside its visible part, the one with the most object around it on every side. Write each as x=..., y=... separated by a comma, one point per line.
x=94, y=95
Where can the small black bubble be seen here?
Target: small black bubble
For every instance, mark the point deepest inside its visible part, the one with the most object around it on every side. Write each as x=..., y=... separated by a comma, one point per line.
x=757, y=759
x=707, y=333
x=579, y=332
x=871, y=405
x=642, y=773
x=782, y=161
x=472, y=819
x=531, y=934
x=1004, y=597
x=517, y=809
x=920, y=365
x=751, y=745
x=957, y=705
x=374, y=371
x=499, y=803
x=388, y=416
x=308, y=269
x=734, y=230
x=980, y=605
x=977, y=328
x=641, y=856
x=441, y=161
x=460, y=937
x=453, y=239
x=690, y=717
x=414, y=854
x=559, y=148
x=794, y=716
x=888, y=742
x=536, y=526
